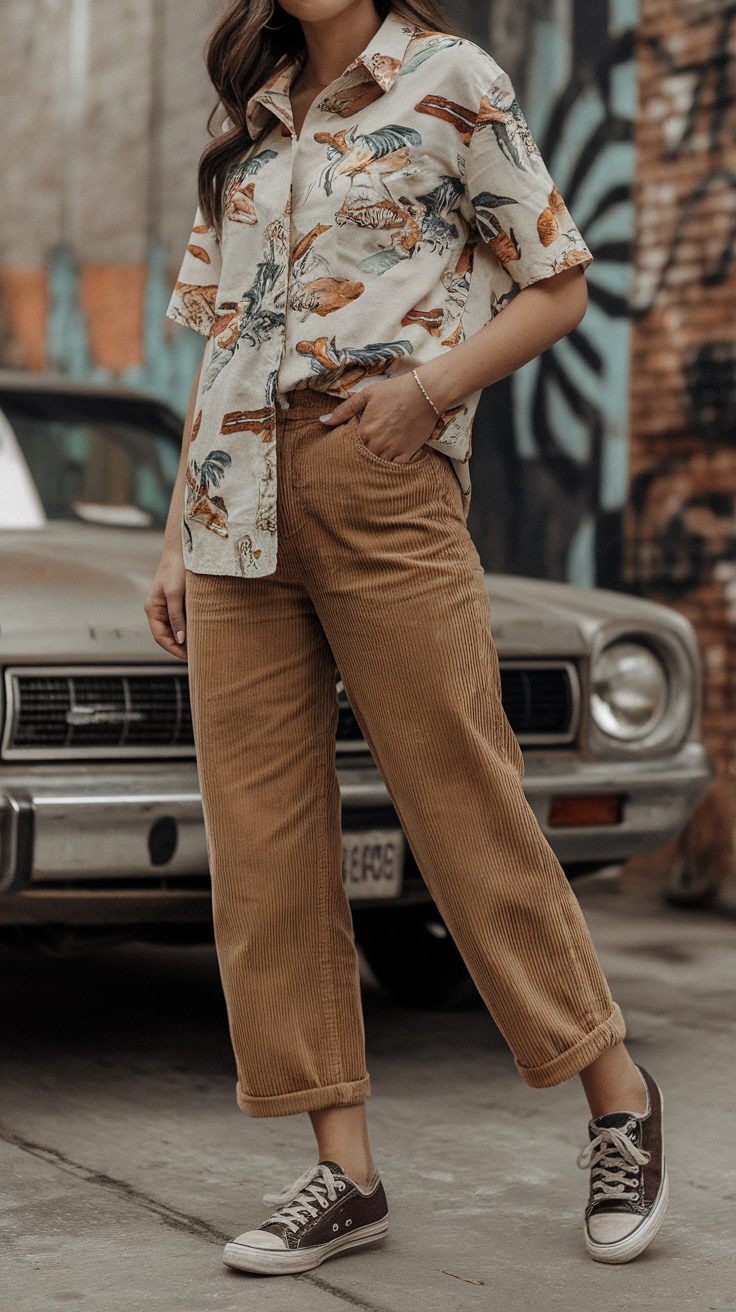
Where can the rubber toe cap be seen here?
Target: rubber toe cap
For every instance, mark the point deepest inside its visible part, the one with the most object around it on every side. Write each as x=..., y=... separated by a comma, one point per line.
x=260, y=1239
x=610, y=1227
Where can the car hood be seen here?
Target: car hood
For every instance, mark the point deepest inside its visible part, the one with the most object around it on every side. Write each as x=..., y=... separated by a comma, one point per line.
x=74, y=592
x=531, y=616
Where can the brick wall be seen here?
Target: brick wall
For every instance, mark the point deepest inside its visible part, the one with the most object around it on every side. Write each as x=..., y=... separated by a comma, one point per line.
x=681, y=528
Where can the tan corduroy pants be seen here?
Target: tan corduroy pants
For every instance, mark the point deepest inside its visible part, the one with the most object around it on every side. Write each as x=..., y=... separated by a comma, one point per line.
x=377, y=576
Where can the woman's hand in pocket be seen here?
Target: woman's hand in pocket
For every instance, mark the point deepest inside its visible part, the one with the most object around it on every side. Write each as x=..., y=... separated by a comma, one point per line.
x=395, y=418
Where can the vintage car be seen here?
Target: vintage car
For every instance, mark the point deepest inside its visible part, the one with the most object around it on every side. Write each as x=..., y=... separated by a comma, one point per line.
x=101, y=829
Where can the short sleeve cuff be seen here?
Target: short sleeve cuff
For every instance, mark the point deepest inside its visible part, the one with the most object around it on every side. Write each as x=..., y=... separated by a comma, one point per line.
x=577, y=256
x=195, y=294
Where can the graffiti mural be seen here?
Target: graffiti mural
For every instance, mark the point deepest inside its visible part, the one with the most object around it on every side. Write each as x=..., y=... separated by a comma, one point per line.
x=671, y=553
x=698, y=94
x=680, y=532
x=559, y=428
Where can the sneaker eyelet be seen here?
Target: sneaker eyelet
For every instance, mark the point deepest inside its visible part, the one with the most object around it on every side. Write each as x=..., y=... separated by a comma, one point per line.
x=336, y=1226
x=348, y=1223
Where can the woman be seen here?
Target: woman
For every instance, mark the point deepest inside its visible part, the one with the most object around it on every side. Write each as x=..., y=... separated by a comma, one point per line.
x=377, y=240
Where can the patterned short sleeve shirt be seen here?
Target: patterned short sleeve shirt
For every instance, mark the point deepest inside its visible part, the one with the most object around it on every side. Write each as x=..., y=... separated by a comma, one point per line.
x=410, y=211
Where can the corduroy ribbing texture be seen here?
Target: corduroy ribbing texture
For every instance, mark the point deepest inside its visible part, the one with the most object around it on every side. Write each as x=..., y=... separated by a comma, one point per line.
x=377, y=577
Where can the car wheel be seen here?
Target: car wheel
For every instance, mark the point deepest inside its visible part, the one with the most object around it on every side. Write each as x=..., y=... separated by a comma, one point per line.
x=412, y=954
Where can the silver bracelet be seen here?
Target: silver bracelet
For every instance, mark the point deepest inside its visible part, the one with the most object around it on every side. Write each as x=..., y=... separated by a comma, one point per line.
x=426, y=397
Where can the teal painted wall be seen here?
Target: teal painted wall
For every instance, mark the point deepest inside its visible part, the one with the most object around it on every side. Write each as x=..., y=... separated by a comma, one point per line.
x=171, y=352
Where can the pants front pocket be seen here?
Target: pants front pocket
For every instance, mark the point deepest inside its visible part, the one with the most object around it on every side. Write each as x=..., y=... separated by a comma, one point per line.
x=354, y=426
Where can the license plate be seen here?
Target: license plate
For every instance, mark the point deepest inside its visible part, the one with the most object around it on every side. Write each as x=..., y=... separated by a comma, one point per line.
x=373, y=863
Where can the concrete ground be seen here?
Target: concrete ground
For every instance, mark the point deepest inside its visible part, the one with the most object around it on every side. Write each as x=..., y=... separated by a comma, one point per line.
x=126, y=1164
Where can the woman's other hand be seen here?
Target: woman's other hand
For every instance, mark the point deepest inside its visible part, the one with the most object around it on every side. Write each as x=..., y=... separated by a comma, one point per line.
x=165, y=604
x=395, y=418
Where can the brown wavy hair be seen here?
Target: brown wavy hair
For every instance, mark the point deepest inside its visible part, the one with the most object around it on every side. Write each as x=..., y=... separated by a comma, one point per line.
x=252, y=40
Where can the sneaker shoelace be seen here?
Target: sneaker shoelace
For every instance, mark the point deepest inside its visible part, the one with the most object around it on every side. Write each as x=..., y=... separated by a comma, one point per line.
x=301, y=1201
x=615, y=1162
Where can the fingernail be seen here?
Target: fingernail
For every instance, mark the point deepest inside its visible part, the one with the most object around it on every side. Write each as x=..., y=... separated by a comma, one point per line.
x=324, y=418
x=180, y=637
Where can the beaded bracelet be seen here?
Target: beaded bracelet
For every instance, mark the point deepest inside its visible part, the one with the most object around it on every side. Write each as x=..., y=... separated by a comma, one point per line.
x=426, y=397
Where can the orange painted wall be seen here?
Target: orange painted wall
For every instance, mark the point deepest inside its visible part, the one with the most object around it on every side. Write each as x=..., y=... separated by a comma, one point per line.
x=25, y=298
x=112, y=297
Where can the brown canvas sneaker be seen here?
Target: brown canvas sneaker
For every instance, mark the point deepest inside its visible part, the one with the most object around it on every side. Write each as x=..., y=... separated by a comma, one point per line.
x=320, y=1215
x=629, y=1191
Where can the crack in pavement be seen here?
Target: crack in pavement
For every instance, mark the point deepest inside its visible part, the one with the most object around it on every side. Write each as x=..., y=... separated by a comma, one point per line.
x=171, y=1216
x=353, y=1299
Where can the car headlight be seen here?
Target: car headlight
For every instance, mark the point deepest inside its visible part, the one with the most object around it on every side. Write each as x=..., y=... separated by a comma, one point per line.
x=629, y=691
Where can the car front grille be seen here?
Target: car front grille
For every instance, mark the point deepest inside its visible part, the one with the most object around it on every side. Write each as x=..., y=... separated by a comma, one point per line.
x=541, y=700
x=93, y=713
x=111, y=712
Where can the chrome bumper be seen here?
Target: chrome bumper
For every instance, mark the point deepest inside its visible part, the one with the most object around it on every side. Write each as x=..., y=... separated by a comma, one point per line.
x=658, y=799
x=70, y=824
x=61, y=825
x=65, y=825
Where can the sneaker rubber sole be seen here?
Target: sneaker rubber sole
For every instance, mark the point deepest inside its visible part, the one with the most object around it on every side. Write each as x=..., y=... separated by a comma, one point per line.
x=625, y=1250
x=282, y=1262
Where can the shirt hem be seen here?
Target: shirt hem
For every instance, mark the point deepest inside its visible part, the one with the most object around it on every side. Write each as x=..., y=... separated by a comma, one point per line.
x=229, y=573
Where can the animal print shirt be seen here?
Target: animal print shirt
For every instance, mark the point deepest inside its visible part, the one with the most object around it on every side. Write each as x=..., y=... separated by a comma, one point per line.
x=412, y=209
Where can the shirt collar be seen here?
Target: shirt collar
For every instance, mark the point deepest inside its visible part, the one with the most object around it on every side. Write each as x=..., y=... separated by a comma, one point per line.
x=382, y=58
x=273, y=98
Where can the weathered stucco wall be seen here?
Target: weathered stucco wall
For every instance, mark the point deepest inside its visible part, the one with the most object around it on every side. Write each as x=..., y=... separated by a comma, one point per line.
x=103, y=108
x=103, y=111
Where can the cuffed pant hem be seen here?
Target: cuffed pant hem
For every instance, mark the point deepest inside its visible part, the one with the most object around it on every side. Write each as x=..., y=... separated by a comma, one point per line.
x=604, y=1036
x=306, y=1100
